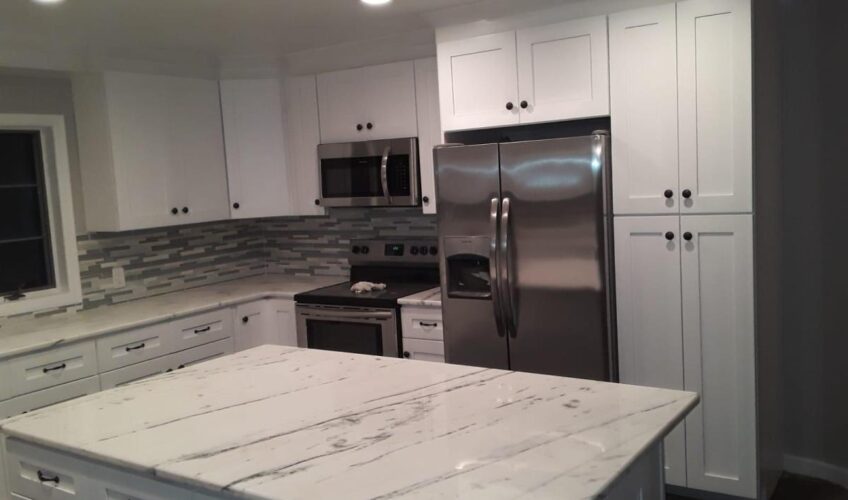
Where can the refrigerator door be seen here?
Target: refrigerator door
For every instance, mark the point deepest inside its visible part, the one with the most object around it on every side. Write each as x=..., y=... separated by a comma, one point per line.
x=555, y=257
x=468, y=187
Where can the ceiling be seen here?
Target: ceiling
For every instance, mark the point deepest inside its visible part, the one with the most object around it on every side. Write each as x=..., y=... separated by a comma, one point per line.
x=220, y=29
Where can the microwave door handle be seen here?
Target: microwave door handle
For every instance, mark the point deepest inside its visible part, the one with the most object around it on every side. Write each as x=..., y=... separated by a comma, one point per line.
x=494, y=283
x=384, y=174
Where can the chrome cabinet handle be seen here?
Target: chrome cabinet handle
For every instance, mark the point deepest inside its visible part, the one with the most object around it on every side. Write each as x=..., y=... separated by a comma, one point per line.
x=506, y=270
x=384, y=173
x=494, y=281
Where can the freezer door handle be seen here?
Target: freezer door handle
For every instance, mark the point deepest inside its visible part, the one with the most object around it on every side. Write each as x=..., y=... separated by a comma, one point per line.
x=506, y=271
x=494, y=282
x=384, y=173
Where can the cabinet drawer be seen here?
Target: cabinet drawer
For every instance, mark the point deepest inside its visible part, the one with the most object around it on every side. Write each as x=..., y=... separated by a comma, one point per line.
x=33, y=372
x=201, y=329
x=133, y=346
x=47, y=397
x=41, y=475
x=422, y=323
x=203, y=353
x=136, y=372
x=424, y=350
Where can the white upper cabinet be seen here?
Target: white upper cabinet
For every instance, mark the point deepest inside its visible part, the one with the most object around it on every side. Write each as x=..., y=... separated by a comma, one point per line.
x=648, y=300
x=718, y=336
x=151, y=150
x=429, y=128
x=563, y=71
x=374, y=102
x=547, y=73
x=256, y=152
x=643, y=102
x=302, y=133
x=714, y=74
x=477, y=82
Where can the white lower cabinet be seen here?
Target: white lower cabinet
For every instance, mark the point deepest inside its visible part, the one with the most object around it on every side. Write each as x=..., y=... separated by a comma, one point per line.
x=52, y=367
x=269, y=321
x=284, y=321
x=685, y=300
x=423, y=337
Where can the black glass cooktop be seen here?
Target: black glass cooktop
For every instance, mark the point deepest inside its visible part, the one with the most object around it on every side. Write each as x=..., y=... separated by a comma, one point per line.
x=340, y=295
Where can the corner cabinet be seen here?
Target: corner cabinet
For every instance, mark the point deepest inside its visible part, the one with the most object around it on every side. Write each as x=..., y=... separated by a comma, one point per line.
x=547, y=73
x=680, y=93
x=693, y=331
x=256, y=149
x=151, y=150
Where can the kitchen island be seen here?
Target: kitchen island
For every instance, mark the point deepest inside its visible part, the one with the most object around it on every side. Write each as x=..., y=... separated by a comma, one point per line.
x=279, y=422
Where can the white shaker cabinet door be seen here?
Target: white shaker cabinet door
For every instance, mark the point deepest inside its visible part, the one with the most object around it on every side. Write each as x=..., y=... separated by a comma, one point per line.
x=429, y=128
x=714, y=81
x=252, y=325
x=718, y=333
x=643, y=99
x=478, y=82
x=302, y=139
x=256, y=150
x=284, y=321
x=563, y=71
x=650, y=337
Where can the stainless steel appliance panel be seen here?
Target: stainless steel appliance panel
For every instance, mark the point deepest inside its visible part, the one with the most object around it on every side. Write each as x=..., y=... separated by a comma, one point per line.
x=468, y=188
x=348, y=329
x=552, y=243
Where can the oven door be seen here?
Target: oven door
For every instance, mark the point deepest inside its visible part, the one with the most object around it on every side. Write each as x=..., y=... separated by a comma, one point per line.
x=348, y=329
x=371, y=173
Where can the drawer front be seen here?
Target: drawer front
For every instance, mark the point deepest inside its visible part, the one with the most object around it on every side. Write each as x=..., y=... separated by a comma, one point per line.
x=202, y=329
x=47, y=397
x=424, y=350
x=133, y=346
x=40, y=475
x=203, y=353
x=136, y=372
x=422, y=323
x=33, y=372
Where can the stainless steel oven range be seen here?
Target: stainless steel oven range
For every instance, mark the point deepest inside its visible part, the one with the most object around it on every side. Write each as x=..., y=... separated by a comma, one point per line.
x=336, y=319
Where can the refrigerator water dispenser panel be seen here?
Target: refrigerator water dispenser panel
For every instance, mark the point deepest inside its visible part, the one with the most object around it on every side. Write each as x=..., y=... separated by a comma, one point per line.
x=468, y=269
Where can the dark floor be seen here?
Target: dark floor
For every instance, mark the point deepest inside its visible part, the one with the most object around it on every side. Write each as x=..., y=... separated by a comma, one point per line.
x=794, y=487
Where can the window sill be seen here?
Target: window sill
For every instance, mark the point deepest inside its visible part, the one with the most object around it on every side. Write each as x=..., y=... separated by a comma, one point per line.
x=40, y=301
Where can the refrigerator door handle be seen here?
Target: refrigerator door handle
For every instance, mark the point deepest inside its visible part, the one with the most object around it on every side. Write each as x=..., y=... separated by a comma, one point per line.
x=506, y=270
x=494, y=281
x=384, y=173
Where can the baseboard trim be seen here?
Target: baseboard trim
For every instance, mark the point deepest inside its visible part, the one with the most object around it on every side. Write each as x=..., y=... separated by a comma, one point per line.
x=814, y=468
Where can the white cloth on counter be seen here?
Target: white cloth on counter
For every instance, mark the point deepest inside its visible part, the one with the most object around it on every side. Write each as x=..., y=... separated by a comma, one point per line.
x=367, y=286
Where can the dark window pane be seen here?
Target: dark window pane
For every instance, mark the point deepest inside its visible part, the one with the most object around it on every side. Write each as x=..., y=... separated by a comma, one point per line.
x=24, y=266
x=20, y=213
x=19, y=157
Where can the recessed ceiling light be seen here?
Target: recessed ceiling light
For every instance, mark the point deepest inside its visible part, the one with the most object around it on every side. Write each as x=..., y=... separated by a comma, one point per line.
x=375, y=2
x=48, y=1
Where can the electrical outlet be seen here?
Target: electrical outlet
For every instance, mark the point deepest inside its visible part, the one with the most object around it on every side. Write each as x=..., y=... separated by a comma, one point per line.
x=119, y=280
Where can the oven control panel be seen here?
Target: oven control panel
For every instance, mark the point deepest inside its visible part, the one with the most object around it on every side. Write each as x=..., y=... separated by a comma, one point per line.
x=394, y=251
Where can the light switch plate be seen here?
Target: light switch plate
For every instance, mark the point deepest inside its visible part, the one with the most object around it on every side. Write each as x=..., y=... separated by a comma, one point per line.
x=119, y=280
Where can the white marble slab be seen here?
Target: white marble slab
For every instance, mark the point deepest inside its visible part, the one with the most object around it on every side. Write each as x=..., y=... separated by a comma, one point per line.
x=279, y=422
x=42, y=333
x=427, y=298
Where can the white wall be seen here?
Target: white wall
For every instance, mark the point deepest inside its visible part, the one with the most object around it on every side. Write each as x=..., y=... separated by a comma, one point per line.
x=48, y=94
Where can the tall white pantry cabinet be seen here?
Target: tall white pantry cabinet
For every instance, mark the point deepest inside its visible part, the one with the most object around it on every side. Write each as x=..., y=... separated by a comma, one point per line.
x=681, y=114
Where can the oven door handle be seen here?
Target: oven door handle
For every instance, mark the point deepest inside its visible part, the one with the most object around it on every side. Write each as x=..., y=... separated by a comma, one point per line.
x=384, y=174
x=349, y=314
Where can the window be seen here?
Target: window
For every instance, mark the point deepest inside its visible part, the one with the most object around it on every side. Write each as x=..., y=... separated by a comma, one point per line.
x=38, y=255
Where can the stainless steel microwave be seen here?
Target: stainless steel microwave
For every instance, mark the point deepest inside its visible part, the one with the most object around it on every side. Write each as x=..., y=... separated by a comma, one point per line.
x=370, y=174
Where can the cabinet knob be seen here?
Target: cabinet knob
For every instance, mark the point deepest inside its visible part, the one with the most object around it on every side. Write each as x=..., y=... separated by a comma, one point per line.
x=687, y=236
x=406, y=354
x=669, y=236
x=236, y=205
x=358, y=126
x=686, y=193
x=523, y=104
x=369, y=125
x=175, y=211
x=509, y=106
x=317, y=201
x=245, y=319
x=185, y=210
x=425, y=199
x=668, y=193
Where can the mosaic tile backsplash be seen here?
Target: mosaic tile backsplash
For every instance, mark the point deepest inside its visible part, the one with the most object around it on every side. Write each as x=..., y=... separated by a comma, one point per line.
x=164, y=260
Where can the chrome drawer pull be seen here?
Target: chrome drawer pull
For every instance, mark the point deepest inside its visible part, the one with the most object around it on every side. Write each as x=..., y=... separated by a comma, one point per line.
x=54, y=368
x=44, y=478
x=203, y=330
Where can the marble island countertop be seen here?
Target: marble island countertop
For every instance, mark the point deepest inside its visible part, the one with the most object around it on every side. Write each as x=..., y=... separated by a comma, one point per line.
x=427, y=298
x=42, y=333
x=280, y=422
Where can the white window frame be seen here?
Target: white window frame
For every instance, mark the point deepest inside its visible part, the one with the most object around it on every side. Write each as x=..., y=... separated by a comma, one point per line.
x=67, y=289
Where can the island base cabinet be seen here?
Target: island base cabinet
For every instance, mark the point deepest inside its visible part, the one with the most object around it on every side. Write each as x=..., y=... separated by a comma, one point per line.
x=643, y=480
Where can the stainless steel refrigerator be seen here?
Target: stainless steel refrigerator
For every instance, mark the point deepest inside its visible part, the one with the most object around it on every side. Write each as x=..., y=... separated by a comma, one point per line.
x=525, y=234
